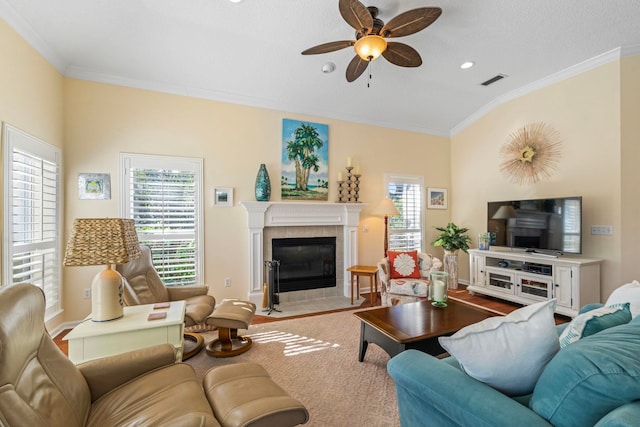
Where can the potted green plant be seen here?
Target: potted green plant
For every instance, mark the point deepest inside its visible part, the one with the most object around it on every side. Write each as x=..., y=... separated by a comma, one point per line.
x=452, y=238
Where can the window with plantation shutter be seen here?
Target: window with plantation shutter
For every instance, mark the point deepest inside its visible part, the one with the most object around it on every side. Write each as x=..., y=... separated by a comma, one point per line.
x=163, y=195
x=406, y=192
x=31, y=243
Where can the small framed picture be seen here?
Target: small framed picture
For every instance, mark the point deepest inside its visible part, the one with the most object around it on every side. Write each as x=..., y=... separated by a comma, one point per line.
x=437, y=198
x=223, y=196
x=95, y=186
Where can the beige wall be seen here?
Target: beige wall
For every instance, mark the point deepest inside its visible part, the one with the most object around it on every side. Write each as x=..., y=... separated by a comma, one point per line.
x=103, y=120
x=30, y=94
x=630, y=159
x=585, y=110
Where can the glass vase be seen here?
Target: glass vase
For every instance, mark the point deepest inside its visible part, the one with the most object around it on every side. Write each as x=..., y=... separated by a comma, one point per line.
x=451, y=267
x=484, y=240
x=263, y=185
x=438, y=288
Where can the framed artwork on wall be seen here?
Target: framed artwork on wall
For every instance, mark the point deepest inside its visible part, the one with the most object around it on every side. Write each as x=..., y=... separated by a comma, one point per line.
x=305, y=161
x=437, y=198
x=223, y=196
x=94, y=186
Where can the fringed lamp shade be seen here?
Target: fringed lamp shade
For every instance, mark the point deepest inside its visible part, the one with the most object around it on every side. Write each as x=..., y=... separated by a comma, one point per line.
x=103, y=241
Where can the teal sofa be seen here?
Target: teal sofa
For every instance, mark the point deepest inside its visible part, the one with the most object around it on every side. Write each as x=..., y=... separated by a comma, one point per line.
x=594, y=381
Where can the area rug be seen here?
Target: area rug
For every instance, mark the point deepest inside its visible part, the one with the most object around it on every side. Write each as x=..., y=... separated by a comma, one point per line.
x=315, y=359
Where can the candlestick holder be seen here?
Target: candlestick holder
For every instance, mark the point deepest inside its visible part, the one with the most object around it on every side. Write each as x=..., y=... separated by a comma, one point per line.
x=348, y=183
x=349, y=189
x=356, y=187
x=340, y=189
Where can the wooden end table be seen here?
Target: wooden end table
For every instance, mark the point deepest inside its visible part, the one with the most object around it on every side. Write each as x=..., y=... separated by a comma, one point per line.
x=415, y=325
x=364, y=270
x=93, y=340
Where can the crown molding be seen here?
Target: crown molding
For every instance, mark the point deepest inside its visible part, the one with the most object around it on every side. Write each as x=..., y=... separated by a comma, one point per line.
x=31, y=36
x=233, y=98
x=631, y=50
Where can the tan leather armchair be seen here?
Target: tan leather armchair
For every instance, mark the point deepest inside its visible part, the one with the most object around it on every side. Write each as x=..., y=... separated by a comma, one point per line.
x=41, y=387
x=143, y=285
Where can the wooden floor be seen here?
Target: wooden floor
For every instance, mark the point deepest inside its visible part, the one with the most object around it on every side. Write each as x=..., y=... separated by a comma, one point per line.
x=460, y=293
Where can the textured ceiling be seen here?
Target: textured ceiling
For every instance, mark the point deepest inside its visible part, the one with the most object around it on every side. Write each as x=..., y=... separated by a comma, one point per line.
x=249, y=53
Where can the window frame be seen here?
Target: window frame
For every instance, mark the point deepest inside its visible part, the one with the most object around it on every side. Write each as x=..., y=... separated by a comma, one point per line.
x=15, y=139
x=152, y=161
x=411, y=180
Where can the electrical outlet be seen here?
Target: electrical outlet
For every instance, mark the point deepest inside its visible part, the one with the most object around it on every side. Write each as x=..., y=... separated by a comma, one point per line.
x=606, y=230
x=86, y=293
x=227, y=282
x=365, y=228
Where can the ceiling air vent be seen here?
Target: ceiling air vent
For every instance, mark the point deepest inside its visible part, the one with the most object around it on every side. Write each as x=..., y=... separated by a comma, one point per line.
x=493, y=80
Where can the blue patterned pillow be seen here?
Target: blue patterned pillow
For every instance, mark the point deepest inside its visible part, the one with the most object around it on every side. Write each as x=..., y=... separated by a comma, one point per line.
x=594, y=321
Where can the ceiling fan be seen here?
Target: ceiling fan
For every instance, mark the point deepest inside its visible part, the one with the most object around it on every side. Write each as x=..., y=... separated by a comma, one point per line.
x=371, y=35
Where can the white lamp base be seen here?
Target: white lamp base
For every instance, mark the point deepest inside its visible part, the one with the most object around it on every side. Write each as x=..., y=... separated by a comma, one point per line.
x=106, y=296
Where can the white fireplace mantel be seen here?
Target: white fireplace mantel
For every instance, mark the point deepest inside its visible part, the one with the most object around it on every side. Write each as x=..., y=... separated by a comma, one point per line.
x=294, y=214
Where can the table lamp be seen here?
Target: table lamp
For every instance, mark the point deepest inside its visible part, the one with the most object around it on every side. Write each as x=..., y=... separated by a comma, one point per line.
x=103, y=241
x=386, y=208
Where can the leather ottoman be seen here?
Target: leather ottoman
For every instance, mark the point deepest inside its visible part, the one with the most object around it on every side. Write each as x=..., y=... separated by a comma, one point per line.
x=229, y=316
x=244, y=394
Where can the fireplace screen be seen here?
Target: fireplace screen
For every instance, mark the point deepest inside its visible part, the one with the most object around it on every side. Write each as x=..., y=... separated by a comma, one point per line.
x=305, y=263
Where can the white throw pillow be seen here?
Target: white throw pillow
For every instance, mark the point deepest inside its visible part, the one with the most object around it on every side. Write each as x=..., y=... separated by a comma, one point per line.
x=507, y=352
x=629, y=292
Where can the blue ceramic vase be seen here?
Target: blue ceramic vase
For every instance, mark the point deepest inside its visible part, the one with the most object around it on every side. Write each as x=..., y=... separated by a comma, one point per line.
x=263, y=185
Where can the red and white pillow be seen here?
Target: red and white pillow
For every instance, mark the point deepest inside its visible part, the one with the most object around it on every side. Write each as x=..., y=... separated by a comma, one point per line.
x=403, y=265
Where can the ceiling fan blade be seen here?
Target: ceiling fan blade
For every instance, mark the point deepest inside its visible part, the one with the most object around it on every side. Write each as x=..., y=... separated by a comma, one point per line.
x=356, y=14
x=328, y=47
x=411, y=22
x=356, y=68
x=402, y=55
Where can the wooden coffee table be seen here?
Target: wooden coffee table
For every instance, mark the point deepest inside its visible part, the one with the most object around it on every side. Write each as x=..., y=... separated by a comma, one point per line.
x=415, y=325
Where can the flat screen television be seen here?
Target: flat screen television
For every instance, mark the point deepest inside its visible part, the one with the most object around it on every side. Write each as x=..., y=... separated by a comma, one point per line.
x=548, y=225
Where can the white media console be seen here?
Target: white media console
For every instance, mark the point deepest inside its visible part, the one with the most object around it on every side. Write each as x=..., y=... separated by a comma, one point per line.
x=527, y=278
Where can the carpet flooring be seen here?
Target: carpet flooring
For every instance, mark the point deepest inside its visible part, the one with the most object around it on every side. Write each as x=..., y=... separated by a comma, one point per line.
x=315, y=359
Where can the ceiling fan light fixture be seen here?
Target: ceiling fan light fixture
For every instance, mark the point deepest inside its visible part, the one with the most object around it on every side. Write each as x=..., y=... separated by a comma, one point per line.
x=370, y=47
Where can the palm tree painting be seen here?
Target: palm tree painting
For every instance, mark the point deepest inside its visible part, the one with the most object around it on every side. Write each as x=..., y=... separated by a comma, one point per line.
x=305, y=156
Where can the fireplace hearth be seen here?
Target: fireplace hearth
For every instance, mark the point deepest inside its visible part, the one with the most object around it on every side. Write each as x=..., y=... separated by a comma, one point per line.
x=305, y=262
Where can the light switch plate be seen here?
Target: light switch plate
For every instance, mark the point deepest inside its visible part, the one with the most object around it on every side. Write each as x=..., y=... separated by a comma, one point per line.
x=606, y=230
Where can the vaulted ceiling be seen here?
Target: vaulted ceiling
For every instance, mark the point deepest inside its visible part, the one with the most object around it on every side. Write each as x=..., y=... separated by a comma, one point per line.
x=250, y=52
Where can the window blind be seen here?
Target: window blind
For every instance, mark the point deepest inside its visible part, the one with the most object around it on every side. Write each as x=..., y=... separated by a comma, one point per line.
x=406, y=230
x=164, y=203
x=32, y=247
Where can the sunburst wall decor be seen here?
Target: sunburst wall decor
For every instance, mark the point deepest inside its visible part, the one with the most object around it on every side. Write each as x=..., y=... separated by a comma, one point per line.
x=531, y=154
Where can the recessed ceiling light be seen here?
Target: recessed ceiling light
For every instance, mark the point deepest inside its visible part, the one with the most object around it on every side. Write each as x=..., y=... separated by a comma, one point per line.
x=235, y=1
x=467, y=64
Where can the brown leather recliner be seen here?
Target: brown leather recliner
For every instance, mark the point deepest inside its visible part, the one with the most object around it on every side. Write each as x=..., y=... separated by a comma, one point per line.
x=143, y=285
x=40, y=386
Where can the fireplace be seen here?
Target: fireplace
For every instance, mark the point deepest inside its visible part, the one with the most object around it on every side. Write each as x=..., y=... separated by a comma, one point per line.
x=305, y=263
x=274, y=220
